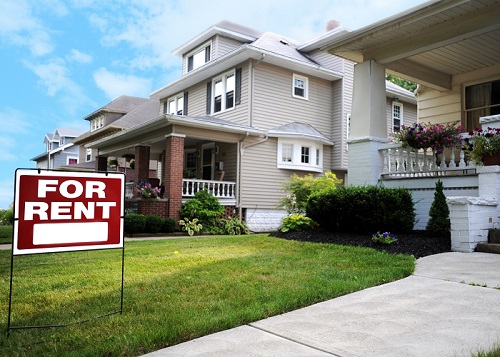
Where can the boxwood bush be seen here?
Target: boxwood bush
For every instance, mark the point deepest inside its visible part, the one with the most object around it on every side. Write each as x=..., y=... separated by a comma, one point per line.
x=168, y=225
x=154, y=224
x=135, y=223
x=363, y=209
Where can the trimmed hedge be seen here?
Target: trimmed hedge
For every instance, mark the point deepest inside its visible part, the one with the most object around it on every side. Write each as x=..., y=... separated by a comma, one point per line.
x=364, y=209
x=154, y=224
x=135, y=223
x=139, y=223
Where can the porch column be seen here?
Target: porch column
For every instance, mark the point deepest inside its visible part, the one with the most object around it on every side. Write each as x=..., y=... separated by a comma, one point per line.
x=174, y=163
x=141, y=165
x=101, y=163
x=368, y=127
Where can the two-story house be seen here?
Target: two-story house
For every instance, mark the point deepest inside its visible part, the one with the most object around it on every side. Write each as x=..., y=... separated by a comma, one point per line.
x=60, y=149
x=250, y=109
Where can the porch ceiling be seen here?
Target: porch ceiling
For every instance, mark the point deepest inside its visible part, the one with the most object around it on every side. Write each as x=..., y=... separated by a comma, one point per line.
x=429, y=43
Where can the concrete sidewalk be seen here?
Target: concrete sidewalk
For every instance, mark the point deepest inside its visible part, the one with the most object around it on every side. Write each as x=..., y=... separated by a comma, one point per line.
x=450, y=306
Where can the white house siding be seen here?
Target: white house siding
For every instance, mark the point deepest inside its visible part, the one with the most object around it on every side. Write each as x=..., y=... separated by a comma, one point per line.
x=224, y=45
x=409, y=113
x=339, y=132
x=347, y=91
x=274, y=104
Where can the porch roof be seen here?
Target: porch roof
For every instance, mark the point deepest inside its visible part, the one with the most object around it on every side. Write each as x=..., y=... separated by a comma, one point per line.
x=429, y=43
x=299, y=131
x=153, y=127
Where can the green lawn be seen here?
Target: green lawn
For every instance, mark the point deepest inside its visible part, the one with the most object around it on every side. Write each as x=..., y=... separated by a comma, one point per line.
x=175, y=290
x=5, y=234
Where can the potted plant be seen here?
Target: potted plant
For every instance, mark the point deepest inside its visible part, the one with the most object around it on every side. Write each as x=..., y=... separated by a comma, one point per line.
x=128, y=156
x=113, y=162
x=426, y=135
x=483, y=146
x=146, y=190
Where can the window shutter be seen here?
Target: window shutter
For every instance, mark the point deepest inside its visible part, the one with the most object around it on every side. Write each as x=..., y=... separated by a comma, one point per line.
x=237, y=87
x=165, y=107
x=185, y=109
x=209, y=97
x=207, y=53
x=190, y=63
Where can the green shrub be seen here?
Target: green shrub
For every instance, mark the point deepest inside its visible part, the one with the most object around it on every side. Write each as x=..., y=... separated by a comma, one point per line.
x=190, y=226
x=297, y=222
x=206, y=208
x=439, y=213
x=299, y=189
x=168, y=225
x=154, y=224
x=363, y=209
x=234, y=226
x=135, y=223
x=6, y=217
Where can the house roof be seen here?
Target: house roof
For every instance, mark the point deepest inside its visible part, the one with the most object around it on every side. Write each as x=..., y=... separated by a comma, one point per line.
x=224, y=28
x=428, y=43
x=399, y=92
x=122, y=105
x=299, y=131
x=146, y=110
x=69, y=133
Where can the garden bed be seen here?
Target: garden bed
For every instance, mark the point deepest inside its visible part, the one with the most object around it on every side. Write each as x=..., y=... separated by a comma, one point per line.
x=416, y=243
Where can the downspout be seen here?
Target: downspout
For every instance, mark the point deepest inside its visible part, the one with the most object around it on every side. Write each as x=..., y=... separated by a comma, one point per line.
x=238, y=177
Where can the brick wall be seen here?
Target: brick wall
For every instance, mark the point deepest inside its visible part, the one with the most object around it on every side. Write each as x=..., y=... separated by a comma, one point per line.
x=174, y=163
x=153, y=207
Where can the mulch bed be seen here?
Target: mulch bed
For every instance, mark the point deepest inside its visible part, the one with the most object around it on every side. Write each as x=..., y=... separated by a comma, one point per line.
x=416, y=243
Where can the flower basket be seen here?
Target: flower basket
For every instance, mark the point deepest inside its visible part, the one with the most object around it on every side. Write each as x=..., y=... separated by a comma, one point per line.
x=483, y=146
x=429, y=136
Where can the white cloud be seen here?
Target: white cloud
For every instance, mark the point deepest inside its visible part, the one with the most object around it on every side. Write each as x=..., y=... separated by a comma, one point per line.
x=77, y=56
x=53, y=75
x=117, y=84
x=19, y=27
x=13, y=121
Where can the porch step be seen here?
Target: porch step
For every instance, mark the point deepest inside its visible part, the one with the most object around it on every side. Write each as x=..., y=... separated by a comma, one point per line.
x=488, y=248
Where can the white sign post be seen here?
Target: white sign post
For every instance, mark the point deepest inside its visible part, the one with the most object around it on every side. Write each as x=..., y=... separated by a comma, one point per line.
x=62, y=211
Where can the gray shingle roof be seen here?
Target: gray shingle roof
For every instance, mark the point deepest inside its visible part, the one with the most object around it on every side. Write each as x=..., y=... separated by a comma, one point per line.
x=299, y=130
x=281, y=45
x=122, y=104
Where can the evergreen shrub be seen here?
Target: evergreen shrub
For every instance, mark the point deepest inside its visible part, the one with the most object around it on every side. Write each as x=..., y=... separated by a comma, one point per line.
x=168, y=225
x=363, y=209
x=206, y=208
x=439, y=213
x=154, y=224
x=135, y=223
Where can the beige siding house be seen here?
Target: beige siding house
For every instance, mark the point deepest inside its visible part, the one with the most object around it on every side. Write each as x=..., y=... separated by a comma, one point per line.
x=250, y=110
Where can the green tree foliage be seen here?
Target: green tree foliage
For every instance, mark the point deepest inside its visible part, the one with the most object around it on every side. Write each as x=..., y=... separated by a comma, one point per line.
x=411, y=86
x=439, y=213
x=299, y=189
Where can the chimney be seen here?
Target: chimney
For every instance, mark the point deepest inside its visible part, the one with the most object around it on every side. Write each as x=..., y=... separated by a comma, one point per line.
x=332, y=24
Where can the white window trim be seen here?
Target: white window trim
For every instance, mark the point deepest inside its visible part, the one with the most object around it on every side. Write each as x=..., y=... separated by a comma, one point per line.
x=296, y=164
x=96, y=123
x=401, y=115
x=71, y=157
x=195, y=51
x=176, y=99
x=306, y=86
x=87, y=153
x=223, y=77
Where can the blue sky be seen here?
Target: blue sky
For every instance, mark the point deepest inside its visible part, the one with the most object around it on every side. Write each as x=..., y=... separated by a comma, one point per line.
x=63, y=59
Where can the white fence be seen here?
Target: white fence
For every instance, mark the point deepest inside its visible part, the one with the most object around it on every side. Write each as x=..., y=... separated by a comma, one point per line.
x=223, y=190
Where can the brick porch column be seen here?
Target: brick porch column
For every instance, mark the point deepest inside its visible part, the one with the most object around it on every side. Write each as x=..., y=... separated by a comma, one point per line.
x=101, y=163
x=174, y=163
x=141, y=168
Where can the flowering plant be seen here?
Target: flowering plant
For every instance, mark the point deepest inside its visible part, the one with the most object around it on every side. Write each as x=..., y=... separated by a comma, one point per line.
x=482, y=142
x=384, y=238
x=427, y=135
x=146, y=190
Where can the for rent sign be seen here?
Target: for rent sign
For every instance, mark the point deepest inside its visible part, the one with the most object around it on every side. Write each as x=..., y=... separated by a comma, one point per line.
x=58, y=211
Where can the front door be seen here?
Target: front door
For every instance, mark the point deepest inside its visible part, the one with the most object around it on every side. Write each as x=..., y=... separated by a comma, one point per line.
x=208, y=161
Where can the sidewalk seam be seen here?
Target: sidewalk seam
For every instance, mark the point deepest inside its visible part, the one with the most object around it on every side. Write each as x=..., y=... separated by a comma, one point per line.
x=292, y=340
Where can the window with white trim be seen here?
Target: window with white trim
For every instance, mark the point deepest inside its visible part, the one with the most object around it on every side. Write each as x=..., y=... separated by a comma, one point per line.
x=61, y=141
x=96, y=123
x=223, y=92
x=300, y=86
x=198, y=57
x=397, y=116
x=72, y=161
x=88, y=156
x=175, y=105
x=190, y=161
x=303, y=154
x=481, y=99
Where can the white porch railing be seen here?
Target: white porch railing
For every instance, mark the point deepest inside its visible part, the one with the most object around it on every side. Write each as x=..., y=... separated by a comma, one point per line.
x=129, y=189
x=407, y=162
x=220, y=189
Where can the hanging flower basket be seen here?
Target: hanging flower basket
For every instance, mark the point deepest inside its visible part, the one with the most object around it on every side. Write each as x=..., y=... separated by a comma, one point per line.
x=429, y=136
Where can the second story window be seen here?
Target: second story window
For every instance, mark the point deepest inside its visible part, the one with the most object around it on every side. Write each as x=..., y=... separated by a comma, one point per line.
x=300, y=86
x=198, y=57
x=88, y=155
x=96, y=123
x=175, y=105
x=397, y=116
x=223, y=89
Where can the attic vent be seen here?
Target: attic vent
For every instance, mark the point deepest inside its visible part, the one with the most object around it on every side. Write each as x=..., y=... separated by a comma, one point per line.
x=284, y=42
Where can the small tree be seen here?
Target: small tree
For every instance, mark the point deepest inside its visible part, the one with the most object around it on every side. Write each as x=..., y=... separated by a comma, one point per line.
x=439, y=213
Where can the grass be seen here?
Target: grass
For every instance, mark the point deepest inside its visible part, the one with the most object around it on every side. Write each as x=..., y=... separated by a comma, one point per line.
x=5, y=234
x=175, y=290
x=493, y=352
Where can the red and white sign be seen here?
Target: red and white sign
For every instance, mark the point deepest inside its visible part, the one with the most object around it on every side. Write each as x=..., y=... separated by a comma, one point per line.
x=58, y=211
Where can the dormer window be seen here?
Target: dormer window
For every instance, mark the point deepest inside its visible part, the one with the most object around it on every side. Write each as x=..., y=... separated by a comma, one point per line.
x=61, y=141
x=198, y=57
x=96, y=123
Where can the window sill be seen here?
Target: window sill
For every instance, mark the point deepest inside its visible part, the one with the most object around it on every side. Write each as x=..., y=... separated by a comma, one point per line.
x=311, y=168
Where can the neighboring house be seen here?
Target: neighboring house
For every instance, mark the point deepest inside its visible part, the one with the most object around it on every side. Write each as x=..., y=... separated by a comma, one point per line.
x=452, y=49
x=59, y=150
x=250, y=110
